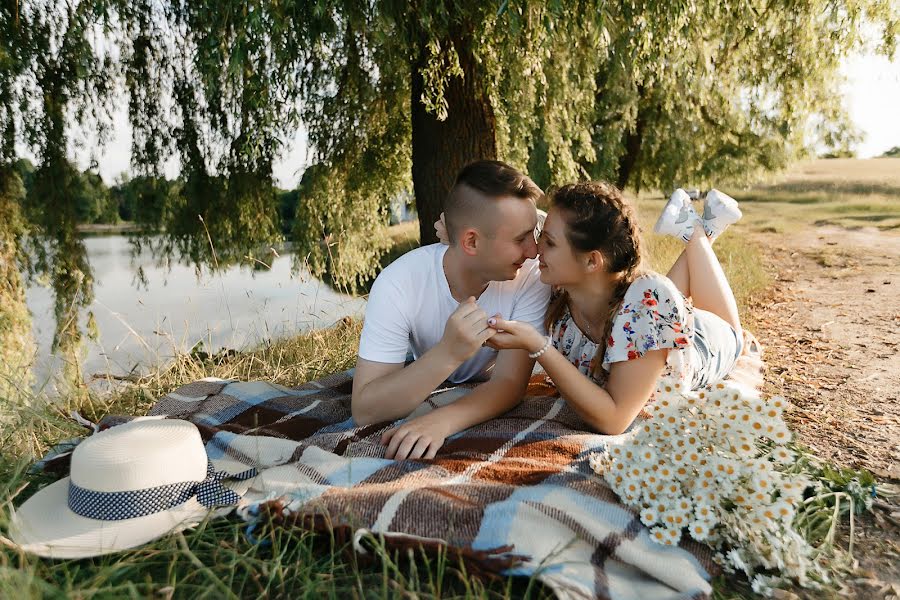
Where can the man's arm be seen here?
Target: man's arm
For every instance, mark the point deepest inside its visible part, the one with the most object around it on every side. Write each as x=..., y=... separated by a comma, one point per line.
x=388, y=391
x=423, y=436
x=384, y=391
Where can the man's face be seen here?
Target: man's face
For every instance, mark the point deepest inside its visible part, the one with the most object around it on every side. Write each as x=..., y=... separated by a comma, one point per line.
x=508, y=238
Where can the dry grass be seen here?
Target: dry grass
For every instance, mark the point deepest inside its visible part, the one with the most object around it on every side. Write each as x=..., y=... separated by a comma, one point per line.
x=843, y=192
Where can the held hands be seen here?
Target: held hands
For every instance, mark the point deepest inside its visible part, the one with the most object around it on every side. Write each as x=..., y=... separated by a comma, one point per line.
x=514, y=335
x=466, y=331
x=421, y=437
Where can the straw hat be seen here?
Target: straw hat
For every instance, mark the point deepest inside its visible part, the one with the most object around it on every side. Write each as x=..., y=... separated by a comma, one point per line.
x=129, y=484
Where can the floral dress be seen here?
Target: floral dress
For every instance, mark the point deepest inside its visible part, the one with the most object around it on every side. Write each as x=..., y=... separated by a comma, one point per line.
x=654, y=315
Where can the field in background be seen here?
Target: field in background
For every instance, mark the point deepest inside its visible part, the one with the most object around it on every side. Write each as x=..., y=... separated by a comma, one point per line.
x=848, y=193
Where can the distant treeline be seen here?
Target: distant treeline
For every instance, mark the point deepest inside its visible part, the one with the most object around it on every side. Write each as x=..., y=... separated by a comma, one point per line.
x=131, y=199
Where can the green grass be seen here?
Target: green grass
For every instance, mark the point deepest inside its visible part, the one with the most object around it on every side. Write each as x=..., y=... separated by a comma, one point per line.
x=216, y=560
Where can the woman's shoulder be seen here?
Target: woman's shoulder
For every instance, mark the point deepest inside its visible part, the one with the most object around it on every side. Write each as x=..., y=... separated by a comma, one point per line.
x=655, y=284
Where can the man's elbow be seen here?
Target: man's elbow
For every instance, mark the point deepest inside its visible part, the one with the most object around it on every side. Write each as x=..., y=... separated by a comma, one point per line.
x=361, y=413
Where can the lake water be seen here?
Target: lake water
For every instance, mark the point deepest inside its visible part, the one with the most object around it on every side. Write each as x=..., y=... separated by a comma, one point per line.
x=237, y=308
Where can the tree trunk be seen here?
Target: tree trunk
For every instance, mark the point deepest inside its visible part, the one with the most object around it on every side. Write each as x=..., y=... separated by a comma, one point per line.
x=441, y=148
x=628, y=161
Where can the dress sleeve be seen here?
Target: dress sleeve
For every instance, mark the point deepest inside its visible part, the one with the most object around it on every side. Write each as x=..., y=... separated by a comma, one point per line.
x=654, y=315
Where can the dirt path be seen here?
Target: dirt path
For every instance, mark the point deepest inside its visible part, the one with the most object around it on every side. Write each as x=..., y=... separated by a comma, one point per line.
x=831, y=334
x=830, y=329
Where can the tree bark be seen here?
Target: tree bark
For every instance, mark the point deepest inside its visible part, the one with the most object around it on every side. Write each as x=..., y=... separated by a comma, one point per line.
x=632, y=143
x=441, y=148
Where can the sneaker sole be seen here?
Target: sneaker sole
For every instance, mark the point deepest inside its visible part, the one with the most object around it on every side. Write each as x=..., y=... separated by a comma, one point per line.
x=676, y=202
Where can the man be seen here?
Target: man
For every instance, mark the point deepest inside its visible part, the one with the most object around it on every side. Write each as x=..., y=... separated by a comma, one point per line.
x=437, y=299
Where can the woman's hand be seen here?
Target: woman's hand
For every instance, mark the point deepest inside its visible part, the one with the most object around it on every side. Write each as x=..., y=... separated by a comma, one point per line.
x=440, y=227
x=514, y=335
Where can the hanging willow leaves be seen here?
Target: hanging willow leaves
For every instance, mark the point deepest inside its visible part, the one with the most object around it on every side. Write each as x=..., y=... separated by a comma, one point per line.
x=398, y=96
x=16, y=341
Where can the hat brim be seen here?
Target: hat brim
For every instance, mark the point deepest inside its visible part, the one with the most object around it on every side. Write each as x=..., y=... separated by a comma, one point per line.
x=44, y=525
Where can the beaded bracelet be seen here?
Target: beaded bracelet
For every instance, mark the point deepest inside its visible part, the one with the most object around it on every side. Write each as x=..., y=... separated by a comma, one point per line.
x=543, y=349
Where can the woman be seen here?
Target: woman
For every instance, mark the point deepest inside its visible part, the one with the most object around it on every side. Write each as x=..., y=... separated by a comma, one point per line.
x=616, y=329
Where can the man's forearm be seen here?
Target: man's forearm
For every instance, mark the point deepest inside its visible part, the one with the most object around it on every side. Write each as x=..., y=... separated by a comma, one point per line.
x=397, y=394
x=488, y=400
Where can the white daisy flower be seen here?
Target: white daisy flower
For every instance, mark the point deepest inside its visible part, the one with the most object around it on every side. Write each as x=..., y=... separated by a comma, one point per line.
x=658, y=535
x=699, y=530
x=781, y=434
x=703, y=511
x=782, y=455
x=649, y=517
x=783, y=511
x=647, y=455
x=673, y=536
x=631, y=487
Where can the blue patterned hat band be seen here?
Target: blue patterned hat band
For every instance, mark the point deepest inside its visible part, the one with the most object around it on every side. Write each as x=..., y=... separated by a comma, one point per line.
x=117, y=506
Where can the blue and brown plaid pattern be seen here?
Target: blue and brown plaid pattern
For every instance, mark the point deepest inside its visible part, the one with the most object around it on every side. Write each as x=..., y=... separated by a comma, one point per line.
x=515, y=494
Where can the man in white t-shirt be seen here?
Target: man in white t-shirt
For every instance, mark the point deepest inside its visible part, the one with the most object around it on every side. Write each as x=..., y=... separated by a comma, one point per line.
x=435, y=301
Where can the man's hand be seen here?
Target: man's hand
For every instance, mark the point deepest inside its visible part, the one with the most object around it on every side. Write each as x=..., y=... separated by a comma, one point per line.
x=421, y=437
x=466, y=331
x=514, y=335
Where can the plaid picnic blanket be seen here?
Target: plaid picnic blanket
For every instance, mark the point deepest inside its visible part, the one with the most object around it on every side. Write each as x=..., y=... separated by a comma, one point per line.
x=513, y=496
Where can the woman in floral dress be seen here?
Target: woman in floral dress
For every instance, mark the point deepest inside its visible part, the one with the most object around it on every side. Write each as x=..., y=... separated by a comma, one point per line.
x=617, y=328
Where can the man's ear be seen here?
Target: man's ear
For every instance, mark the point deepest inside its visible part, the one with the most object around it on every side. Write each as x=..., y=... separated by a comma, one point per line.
x=469, y=240
x=595, y=261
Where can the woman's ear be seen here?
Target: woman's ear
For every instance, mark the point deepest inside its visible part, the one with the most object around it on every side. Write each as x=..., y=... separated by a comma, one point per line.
x=595, y=262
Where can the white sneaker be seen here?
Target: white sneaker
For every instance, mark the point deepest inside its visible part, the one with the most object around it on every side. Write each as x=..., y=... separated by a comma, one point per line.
x=720, y=211
x=678, y=217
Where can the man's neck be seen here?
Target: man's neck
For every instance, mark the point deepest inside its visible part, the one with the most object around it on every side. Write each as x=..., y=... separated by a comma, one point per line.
x=463, y=283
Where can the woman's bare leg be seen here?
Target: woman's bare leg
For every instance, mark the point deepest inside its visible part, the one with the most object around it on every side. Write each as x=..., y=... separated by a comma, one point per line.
x=680, y=274
x=699, y=270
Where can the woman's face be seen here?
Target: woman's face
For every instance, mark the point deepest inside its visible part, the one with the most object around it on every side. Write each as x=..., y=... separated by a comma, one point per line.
x=560, y=264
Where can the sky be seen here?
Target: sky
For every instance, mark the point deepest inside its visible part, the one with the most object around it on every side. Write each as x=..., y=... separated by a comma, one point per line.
x=871, y=93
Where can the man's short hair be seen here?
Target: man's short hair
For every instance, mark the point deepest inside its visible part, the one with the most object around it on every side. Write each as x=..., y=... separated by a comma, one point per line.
x=480, y=180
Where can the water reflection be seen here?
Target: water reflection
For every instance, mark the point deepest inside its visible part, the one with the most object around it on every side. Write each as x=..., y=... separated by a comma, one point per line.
x=143, y=324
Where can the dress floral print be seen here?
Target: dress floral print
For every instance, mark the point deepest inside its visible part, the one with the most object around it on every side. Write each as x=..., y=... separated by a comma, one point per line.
x=654, y=315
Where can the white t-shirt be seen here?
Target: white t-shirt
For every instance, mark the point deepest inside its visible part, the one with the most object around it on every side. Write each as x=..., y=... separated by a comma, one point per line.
x=410, y=303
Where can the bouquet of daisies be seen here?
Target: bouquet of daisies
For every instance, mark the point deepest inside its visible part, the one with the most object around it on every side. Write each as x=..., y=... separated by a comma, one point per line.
x=710, y=465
